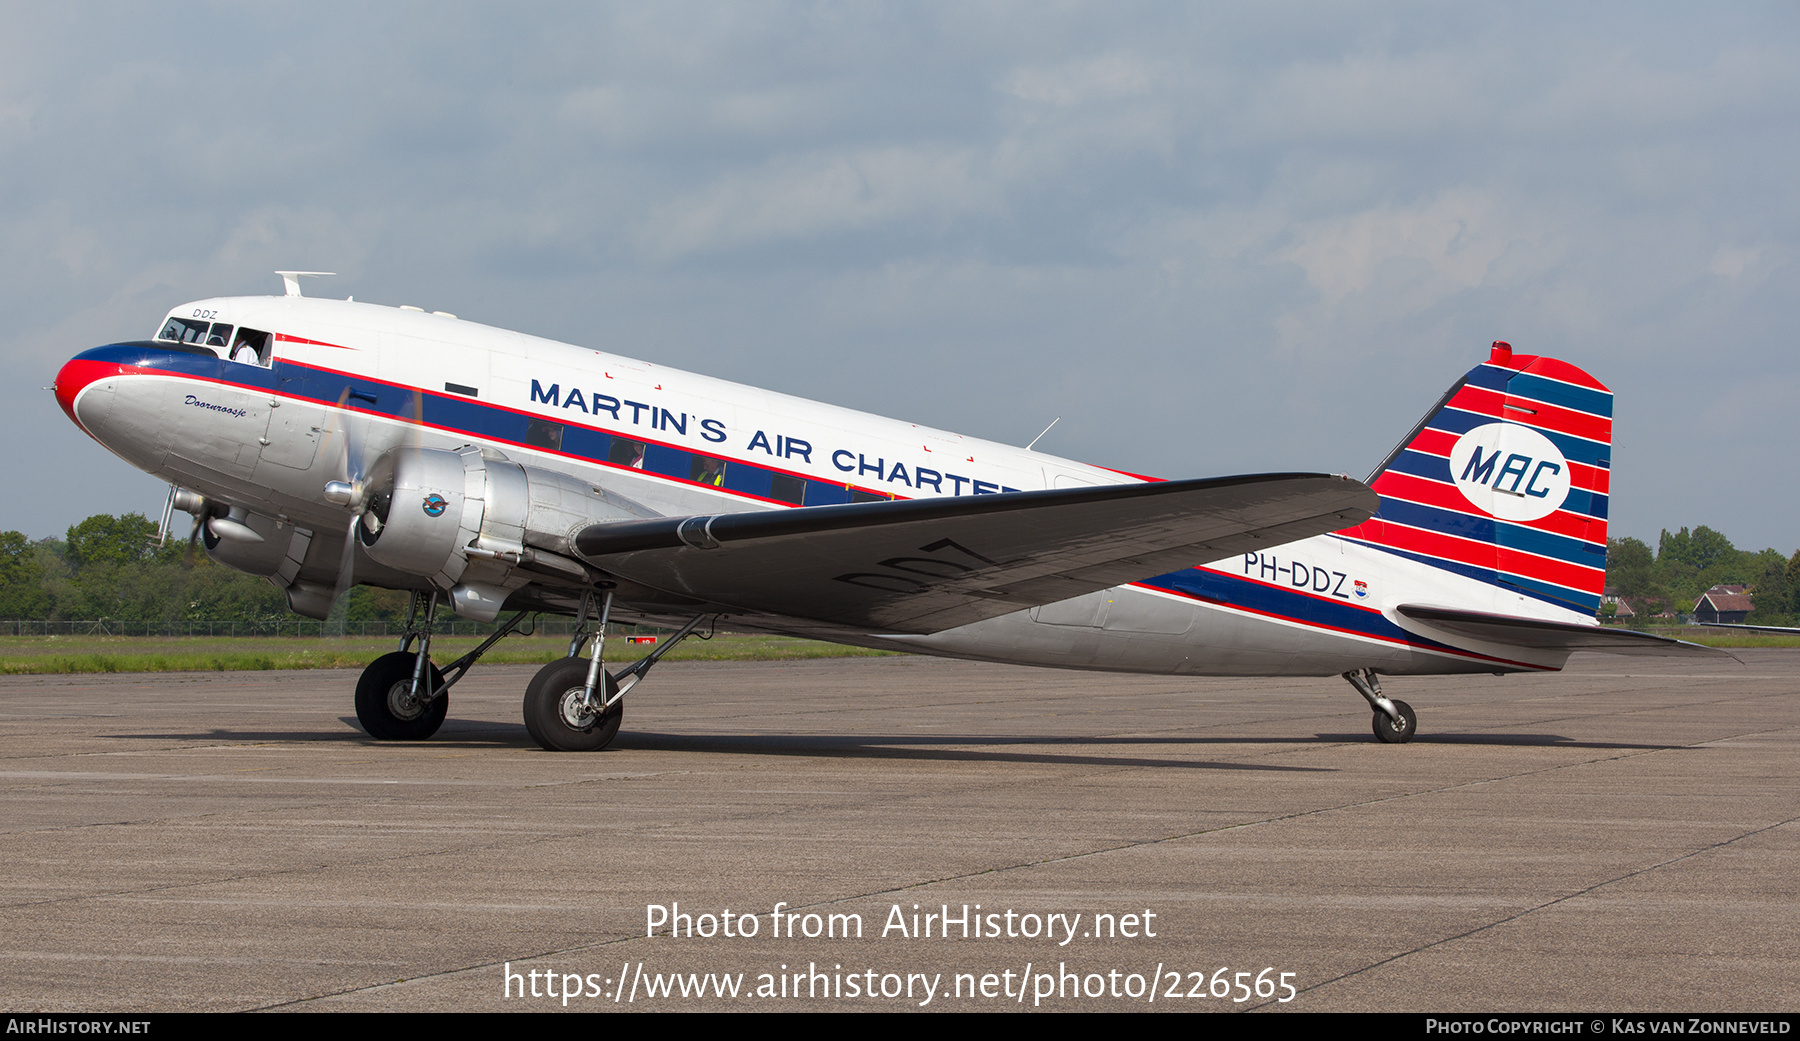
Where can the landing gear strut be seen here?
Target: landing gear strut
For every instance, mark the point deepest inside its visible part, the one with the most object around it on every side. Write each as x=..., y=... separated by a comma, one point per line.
x=402, y=696
x=576, y=706
x=1395, y=721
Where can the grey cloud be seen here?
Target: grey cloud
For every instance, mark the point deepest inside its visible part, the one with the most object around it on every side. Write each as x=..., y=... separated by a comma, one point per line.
x=1214, y=239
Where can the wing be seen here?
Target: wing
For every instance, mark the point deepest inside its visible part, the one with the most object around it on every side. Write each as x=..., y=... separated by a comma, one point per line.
x=1538, y=634
x=923, y=565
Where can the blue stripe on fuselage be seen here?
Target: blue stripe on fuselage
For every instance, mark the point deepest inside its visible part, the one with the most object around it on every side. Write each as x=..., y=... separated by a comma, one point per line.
x=1276, y=601
x=462, y=415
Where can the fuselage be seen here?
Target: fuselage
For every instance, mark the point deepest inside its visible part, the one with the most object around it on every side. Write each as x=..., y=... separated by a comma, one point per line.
x=313, y=378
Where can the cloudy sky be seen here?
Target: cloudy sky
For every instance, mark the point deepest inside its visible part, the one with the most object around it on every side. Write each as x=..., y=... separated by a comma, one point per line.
x=1214, y=239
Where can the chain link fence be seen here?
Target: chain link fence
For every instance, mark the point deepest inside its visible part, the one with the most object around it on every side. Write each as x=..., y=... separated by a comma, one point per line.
x=293, y=627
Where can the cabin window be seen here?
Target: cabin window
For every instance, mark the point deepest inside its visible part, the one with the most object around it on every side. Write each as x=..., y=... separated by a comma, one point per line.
x=626, y=453
x=707, y=469
x=540, y=434
x=788, y=489
x=250, y=347
x=858, y=495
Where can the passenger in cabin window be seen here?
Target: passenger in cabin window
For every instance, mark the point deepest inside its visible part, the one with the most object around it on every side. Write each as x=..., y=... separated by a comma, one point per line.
x=626, y=453
x=710, y=471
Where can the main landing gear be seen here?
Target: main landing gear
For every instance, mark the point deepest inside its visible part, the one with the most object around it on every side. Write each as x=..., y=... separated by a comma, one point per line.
x=1395, y=721
x=576, y=706
x=402, y=696
x=572, y=705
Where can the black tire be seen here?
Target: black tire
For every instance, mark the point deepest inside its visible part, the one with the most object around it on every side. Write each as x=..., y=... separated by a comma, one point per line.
x=1389, y=734
x=384, y=704
x=552, y=716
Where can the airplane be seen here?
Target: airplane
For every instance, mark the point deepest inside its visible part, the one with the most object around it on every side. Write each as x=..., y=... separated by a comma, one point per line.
x=324, y=443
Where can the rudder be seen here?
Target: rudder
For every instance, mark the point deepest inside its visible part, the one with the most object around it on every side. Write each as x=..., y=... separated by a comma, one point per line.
x=1505, y=481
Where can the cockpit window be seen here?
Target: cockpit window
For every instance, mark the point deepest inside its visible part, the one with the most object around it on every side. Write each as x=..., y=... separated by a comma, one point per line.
x=182, y=330
x=220, y=335
x=250, y=347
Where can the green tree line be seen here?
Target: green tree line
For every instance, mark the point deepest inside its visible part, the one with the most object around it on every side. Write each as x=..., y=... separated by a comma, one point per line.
x=1686, y=564
x=107, y=567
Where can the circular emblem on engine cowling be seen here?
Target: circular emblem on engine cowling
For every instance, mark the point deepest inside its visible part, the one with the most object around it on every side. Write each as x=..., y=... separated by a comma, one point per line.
x=434, y=505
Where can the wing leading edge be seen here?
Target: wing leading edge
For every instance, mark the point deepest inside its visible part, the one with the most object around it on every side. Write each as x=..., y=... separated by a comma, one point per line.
x=924, y=565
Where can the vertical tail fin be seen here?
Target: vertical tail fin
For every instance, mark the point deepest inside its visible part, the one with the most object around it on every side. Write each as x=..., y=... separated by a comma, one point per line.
x=1505, y=481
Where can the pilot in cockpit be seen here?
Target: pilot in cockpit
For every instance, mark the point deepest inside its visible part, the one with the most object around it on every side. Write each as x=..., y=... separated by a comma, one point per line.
x=250, y=347
x=247, y=347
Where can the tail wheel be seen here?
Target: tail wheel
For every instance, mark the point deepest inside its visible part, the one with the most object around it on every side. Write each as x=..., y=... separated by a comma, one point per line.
x=1390, y=733
x=557, y=714
x=386, y=707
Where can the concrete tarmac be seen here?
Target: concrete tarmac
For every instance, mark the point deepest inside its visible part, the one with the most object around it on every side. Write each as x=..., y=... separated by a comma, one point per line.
x=1621, y=836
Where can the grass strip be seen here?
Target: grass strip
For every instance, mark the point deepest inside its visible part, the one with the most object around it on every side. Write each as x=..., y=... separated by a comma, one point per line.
x=46, y=655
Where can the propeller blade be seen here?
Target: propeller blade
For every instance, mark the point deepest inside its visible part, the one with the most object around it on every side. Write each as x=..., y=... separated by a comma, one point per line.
x=346, y=577
x=193, y=540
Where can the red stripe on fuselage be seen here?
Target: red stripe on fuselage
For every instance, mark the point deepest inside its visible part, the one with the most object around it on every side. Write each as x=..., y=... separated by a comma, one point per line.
x=285, y=338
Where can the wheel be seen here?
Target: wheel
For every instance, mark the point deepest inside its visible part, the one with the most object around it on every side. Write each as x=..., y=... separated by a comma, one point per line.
x=557, y=716
x=385, y=705
x=1389, y=734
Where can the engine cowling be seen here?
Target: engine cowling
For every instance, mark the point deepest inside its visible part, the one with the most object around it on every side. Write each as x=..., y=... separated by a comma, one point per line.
x=262, y=557
x=278, y=554
x=468, y=520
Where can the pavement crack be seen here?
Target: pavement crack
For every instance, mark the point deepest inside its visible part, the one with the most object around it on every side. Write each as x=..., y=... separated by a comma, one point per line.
x=1566, y=897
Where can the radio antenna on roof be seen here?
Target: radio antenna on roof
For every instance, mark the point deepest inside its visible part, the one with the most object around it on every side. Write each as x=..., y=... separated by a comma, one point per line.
x=290, y=280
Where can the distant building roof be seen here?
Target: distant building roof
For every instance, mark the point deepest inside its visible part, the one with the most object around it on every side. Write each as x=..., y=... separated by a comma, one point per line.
x=1723, y=603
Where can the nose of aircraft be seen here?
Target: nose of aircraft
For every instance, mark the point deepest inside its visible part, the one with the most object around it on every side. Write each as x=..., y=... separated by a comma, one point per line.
x=79, y=374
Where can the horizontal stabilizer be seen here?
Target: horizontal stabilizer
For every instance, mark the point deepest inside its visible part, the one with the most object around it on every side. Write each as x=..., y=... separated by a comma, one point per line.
x=1540, y=634
x=1772, y=630
x=924, y=565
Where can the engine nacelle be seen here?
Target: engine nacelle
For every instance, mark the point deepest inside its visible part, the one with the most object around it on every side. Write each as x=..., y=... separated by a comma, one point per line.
x=467, y=520
x=261, y=558
x=278, y=553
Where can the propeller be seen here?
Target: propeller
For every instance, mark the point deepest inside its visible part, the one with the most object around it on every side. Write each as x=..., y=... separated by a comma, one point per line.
x=355, y=491
x=350, y=492
x=195, y=506
x=187, y=558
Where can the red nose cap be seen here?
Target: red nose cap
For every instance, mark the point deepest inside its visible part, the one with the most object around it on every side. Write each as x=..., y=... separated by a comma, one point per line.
x=76, y=374
x=1502, y=353
x=65, y=387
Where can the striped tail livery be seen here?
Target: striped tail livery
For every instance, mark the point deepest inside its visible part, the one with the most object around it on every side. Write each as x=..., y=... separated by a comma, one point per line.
x=1506, y=481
